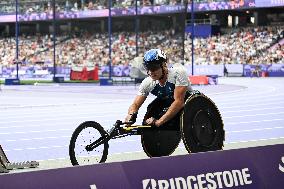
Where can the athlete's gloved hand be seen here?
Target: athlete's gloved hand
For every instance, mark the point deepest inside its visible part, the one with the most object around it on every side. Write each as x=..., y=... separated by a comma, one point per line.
x=151, y=121
x=132, y=117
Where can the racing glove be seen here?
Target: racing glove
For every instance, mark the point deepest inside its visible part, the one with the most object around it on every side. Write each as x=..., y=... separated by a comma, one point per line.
x=133, y=117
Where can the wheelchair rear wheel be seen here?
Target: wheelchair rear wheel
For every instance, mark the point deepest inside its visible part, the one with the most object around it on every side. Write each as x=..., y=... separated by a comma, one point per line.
x=202, y=125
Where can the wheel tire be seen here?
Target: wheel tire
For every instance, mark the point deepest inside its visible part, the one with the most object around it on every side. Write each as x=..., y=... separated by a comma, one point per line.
x=202, y=125
x=102, y=150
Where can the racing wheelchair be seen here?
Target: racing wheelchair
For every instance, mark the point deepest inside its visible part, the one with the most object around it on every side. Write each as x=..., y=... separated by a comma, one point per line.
x=199, y=125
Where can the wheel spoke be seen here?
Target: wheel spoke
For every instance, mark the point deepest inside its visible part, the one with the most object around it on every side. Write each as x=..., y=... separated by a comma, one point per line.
x=86, y=134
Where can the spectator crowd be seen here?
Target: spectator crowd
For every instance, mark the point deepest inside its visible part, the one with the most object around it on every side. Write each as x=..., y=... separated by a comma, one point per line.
x=251, y=45
x=36, y=6
x=260, y=45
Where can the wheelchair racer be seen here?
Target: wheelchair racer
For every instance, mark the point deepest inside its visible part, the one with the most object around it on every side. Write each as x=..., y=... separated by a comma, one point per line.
x=170, y=86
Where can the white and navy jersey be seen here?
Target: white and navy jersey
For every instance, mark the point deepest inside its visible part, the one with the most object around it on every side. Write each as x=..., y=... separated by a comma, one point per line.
x=177, y=76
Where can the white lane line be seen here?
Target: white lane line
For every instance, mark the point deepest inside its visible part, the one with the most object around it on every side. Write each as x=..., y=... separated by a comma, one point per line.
x=50, y=147
x=62, y=158
x=228, y=92
x=256, y=109
x=65, y=104
x=252, y=130
x=65, y=113
x=57, y=105
x=42, y=131
x=72, y=123
x=253, y=115
x=65, y=110
x=255, y=140
x=244, y=102
x=31, y=139
x=61, y=113
x=60, y=137
x=250, y=90
x=52, y=119
x=252, y=95
x=41, y=125
x=126, y=152
x=38, y=148
x=247, y=99
x=67, y=157
x=123, y=141
x=258, y=121
x=248, y=105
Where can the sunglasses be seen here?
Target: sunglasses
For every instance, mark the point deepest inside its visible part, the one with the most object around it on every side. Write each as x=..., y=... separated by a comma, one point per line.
x=153, y=68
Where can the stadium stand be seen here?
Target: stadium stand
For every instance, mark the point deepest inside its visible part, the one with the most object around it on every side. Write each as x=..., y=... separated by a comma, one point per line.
x=81, y=47
x=246, y=46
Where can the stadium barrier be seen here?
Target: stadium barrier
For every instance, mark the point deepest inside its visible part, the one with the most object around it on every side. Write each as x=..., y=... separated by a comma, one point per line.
x=250, y=168
x=12, y=81
x=106, y=81
x=58, y=79
x=123, y=80
x=199, y=80
x=130, y=11
x=85, y=74
x=212, y=79
x=93, y=73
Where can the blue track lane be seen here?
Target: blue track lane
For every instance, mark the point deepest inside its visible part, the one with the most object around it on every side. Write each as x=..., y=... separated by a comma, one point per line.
x=37, y=121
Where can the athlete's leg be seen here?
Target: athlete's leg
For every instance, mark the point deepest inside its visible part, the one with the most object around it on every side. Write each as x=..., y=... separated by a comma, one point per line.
x=157, y=108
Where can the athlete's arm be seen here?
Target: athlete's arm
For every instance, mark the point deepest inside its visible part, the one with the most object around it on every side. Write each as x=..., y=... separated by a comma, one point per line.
x=176, y=106
x=134, y=107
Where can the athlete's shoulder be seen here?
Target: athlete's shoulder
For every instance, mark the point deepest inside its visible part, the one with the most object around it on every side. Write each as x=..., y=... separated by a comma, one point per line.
x=147, y=82
x=177, y=67
x=179, y=75
x=146, y=86
x=178, y=70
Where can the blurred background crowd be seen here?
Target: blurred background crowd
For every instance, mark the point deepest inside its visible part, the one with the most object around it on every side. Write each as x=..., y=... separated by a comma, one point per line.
x=33, y=6
x=244, y=39
x=261, y=45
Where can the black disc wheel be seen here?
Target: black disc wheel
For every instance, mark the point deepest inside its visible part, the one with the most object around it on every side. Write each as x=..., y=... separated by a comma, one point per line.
x=204, y=131
x=202, y=125
x=84, y=135
x=159, y=142
x=163, y=140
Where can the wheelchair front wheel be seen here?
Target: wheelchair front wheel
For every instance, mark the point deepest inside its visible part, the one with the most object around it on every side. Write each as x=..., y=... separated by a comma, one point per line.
x=84, y=135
